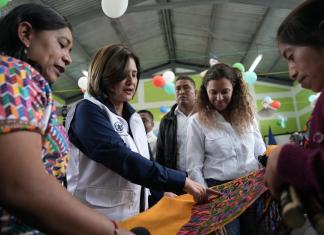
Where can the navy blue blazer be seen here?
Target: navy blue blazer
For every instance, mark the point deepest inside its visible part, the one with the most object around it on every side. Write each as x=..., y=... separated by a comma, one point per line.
x=92, y=133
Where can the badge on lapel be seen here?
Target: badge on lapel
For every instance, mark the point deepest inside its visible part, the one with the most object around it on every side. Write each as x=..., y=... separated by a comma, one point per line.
x=118, y=127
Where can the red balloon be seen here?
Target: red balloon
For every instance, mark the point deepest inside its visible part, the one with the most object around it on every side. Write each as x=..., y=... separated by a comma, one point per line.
x=275, y=104
x=158, y=81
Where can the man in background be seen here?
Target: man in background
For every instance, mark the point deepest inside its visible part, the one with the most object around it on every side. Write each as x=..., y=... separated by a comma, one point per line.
x=171, y=142
x=148, y=121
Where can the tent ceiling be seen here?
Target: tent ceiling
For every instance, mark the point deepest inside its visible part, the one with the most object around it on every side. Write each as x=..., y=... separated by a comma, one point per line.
x=180, y=35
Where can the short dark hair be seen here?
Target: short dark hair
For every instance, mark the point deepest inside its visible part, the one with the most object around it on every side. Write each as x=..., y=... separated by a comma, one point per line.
x=39, y=16
x=186, y=77
x=302, y=26
x=107, y=68
x=148, y=112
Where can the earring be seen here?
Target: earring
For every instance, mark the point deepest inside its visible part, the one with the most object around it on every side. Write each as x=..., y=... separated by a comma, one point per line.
x=26, y=49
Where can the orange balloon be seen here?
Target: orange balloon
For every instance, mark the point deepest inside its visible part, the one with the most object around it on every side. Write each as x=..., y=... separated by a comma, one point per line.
x=275, y=104
x=158, y=81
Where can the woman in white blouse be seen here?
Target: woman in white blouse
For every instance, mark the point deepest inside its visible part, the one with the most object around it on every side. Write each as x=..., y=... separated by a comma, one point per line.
x=223, y=136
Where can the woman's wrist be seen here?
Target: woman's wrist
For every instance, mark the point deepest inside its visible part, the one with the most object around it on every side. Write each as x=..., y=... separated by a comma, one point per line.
x=116, y=228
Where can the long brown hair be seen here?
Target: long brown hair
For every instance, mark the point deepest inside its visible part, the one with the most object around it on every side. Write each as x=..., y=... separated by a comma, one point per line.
x=239, y=111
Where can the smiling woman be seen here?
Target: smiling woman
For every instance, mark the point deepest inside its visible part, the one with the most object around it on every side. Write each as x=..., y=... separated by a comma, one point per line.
x=51, y=48
x=35, y=46
x=224, y=139
x=45, y=45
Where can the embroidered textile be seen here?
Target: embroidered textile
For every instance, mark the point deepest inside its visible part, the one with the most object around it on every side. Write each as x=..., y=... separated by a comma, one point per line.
x=181, y=216
x=237, y=196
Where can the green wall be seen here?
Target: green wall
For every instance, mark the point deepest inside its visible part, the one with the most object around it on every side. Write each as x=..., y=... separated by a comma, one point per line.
x=157, y=114
x=155, y=94
x=303, y=119
x=287, y=96
x=58, y=99
x=260, y=89
x=302, y=98
x=286, y=104
x=135, y=99
x=291, y=126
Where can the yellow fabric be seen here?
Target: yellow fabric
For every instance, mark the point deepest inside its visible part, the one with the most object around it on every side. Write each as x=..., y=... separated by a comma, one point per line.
x=174, y=212
x=269, y=149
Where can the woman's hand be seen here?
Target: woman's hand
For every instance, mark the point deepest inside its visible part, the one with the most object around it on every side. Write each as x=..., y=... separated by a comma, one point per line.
x=198, y=191
x=272, y=178
x=170, y=194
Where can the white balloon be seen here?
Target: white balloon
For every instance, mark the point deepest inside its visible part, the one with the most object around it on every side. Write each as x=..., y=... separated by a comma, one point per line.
x=203, y=73
x=168, y=76
x=85, y=73
x=114, y=8
x=213, y=61
x=313, y=103
x=265, y=105
x=83, y=83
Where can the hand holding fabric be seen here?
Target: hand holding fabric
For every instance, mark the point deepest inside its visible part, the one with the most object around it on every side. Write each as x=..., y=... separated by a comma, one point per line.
x=198, y=191
x=272, y=178
x=170, y=194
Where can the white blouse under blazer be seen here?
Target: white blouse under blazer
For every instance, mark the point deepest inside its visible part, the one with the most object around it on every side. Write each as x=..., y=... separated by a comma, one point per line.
x=221, y=153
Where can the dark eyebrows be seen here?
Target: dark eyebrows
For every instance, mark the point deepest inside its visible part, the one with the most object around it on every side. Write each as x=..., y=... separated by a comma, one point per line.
x=285, y=51
x=227, y=89
x=184, y=86
x=66, y=39
x=284, y=54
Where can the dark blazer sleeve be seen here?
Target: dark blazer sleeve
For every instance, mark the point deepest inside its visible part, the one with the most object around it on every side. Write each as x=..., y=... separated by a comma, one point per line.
x=92, y=132
x=159, y=157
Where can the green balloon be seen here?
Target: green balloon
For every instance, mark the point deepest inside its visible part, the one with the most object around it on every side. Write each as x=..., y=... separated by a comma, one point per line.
x=3, y=3
x=239, y=66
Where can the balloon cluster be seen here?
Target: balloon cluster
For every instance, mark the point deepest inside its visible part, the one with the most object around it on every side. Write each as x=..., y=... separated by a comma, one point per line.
x=312, y=99
x=165, y=81
x=83, y=81
x=282, y=121
x=114, y=8
x=249, y=77
x=268, y=103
